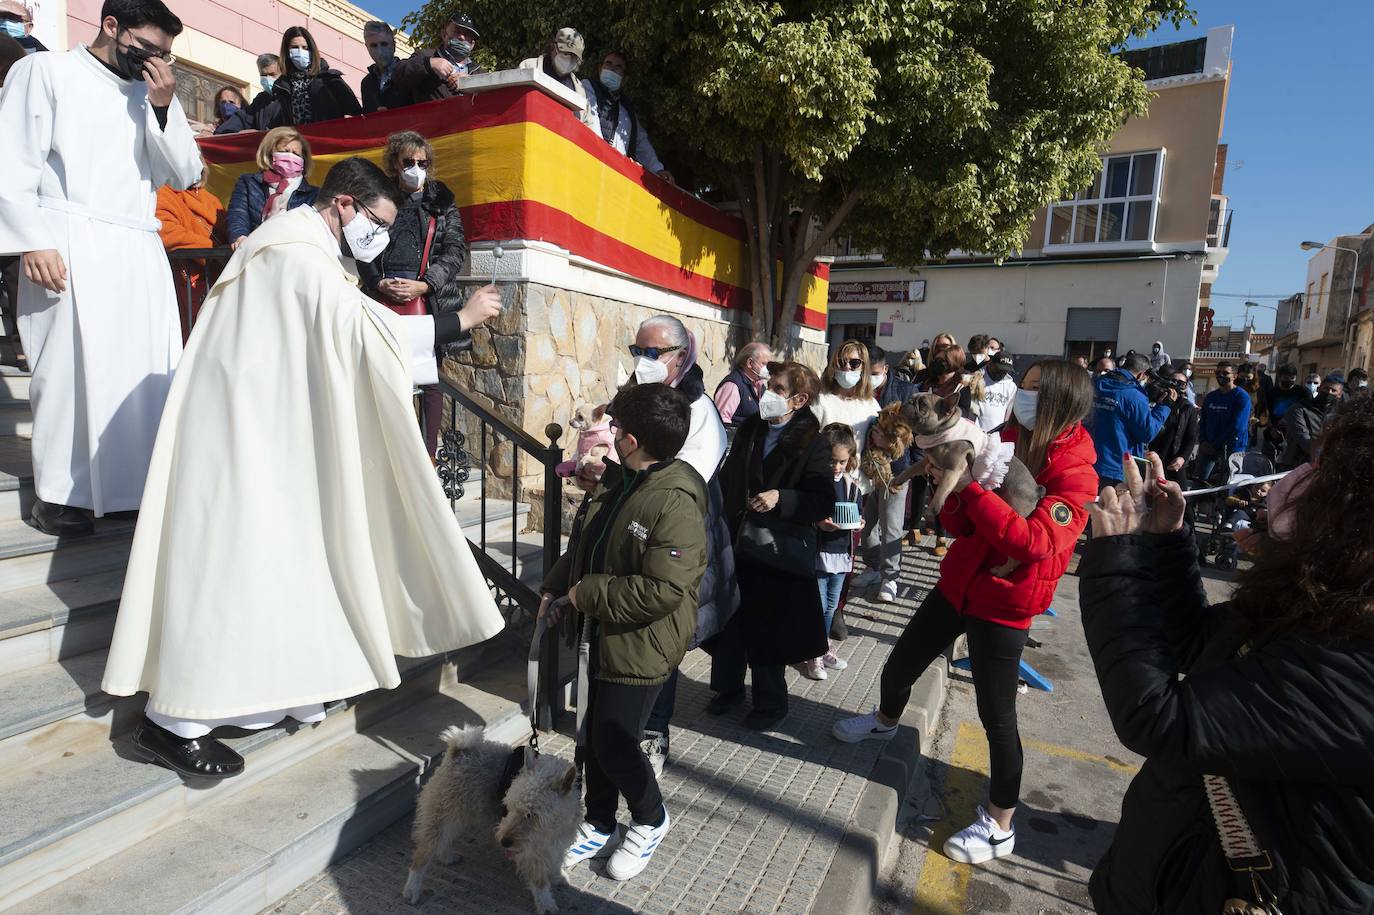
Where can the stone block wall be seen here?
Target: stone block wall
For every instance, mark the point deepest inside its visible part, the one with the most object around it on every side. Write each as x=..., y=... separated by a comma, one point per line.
x=552, y=350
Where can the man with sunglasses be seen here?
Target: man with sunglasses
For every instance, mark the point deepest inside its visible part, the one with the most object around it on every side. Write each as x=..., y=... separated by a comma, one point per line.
x=294, y=538
x=87, y=137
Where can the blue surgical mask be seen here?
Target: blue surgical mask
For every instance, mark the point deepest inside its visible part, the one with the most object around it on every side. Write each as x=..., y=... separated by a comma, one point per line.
x=460, y=46
x=300, y=58
x=267, y=83
x=12, y=28
x=1024, y=406
x=611, y=80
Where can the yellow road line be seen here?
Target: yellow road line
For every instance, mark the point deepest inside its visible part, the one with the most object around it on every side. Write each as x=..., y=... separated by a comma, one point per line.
x=942, y=888
x=1053, y=749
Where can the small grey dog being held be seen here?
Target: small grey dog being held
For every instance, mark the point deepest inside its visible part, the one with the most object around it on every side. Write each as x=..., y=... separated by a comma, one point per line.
x=952, y=446
x=535, y=820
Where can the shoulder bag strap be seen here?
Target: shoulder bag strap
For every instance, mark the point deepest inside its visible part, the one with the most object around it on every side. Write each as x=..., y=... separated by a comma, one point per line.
x=429, y=242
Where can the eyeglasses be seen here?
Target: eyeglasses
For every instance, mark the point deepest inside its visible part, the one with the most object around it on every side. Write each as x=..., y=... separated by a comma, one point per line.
x=408, y=163
x=652, y=352
x=851, y=364
x=151, y=49
x=377, y=224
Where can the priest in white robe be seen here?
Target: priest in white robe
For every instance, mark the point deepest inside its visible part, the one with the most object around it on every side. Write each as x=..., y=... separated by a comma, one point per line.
x=293, y=537
x=86, y=138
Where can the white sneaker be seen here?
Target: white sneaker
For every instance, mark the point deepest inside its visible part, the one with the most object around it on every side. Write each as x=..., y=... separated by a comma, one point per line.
x=811, y=670
x=866, y=580
x=590, y=844
x=863, y=727
x=888, y=592
x=981, y=841
x=834, y=661
x=636, y=848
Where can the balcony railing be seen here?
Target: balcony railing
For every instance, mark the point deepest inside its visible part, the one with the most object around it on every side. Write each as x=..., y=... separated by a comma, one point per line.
x=1219, y=224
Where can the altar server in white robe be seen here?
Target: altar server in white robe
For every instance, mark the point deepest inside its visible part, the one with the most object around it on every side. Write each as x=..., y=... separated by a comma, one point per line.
x=86, y=138
x=294, y=537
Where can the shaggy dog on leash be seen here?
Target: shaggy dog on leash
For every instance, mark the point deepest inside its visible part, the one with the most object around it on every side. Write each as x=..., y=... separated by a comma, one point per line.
x=535, y=822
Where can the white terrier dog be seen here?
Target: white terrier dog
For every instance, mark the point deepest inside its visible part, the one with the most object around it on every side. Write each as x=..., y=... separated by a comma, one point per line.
x=535, y=823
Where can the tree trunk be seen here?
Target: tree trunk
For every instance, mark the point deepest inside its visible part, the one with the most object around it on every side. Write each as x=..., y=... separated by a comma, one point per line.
x=795, y=268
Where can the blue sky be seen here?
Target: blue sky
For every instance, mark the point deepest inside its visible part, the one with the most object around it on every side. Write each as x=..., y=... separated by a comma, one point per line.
x=1300, y=131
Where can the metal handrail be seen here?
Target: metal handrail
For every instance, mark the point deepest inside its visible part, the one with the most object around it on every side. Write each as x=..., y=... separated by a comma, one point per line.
x=453, y=472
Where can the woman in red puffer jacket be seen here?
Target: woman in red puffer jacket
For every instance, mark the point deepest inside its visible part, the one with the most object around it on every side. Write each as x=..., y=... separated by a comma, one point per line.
x=995, y=612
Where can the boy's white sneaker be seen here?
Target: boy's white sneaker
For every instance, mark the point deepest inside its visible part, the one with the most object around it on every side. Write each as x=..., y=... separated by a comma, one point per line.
x=888, y=592
x=590, y=844
x=863, y=727
x=981, y=841
x=636, y=848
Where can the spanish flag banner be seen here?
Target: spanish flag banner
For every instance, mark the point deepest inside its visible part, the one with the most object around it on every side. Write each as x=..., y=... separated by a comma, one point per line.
x=521, y=166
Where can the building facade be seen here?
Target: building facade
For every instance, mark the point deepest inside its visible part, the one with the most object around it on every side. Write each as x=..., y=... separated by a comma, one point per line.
x=222, y=40
x=1128, y=260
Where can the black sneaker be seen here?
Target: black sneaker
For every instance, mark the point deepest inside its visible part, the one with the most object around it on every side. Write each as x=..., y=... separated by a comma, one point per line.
x=722, y=703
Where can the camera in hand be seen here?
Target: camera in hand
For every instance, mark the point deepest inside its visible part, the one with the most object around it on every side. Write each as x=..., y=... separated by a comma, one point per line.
x=1158, y=385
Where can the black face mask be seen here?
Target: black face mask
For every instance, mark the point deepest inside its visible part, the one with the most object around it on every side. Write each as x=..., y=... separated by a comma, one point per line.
x=131, y=59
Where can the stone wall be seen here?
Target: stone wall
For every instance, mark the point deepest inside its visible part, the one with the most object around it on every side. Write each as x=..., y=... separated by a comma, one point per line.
x=552, y=350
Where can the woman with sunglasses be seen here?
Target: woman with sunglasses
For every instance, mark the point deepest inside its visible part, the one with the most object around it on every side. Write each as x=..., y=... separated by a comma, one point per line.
x=418, y=272
x=847, y=391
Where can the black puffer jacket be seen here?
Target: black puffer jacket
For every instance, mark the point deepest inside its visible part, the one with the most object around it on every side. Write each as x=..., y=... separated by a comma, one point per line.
x=1290, y=724
x=448, y=254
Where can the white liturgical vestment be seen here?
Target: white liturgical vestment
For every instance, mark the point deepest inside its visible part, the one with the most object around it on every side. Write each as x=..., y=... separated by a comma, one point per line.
x=81, y=159
x=293, y=538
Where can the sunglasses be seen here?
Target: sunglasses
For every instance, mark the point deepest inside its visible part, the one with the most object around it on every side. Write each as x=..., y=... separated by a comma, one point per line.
x=851, y=364
x=408, y=163
x=652, y=352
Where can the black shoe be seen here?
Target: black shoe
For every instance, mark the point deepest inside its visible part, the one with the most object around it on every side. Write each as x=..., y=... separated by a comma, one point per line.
x=60, y=520
x=200, y=757
x=722, y=703
x=763, y=721
x=838, y=630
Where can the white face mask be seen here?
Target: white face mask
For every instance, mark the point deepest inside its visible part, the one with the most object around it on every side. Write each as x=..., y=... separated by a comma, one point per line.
x=877, y=380
x=1312, y=386
x=1024, y=407
x=650, y=371
x=848, y=379
x=980, y=358
x=300, y=58
x=365, y=238
x=773, y=405
x=413, y=178
x=762, y=373
x=564, y=64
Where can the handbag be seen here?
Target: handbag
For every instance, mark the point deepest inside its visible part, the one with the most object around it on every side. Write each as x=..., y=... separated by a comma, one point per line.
x=776, y=544
x=417, y=306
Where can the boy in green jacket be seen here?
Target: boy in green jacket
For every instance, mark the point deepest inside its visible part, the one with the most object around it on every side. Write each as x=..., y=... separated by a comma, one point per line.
x=634, y=571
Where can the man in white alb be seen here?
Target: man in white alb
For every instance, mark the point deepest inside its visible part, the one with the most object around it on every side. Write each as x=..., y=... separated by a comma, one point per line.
x=294, y=537
x=86, y=138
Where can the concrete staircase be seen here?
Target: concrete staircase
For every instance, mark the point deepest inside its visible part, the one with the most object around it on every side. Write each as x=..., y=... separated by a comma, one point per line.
x=88, y=825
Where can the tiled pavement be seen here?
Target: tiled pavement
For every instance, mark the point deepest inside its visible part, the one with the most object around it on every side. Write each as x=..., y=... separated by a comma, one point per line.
x=757, y=817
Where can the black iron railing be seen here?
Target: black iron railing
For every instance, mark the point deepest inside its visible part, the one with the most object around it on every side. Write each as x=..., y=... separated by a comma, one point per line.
x=515, y=582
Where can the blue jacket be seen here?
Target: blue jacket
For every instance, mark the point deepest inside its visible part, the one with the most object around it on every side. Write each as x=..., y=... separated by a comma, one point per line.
x=1122, y=421
x=1226, y=419
x=250, y=196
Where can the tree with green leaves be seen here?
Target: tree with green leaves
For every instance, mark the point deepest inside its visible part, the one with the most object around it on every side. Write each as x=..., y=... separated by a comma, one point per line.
x=915, y=127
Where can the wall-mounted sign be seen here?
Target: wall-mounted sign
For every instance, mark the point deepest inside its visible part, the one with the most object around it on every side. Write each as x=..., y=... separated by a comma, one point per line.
x=885, y=329
x=884, y=291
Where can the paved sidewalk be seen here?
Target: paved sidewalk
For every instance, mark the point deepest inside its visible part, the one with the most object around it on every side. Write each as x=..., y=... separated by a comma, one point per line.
x=758, y=818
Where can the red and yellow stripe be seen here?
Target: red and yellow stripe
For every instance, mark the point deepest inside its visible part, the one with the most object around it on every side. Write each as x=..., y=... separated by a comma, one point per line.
x=522, y=166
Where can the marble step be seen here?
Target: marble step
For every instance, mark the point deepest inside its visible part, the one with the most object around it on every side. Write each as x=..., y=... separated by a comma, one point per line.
x=56, y=620
x=29, y=557
x=14, y=385
x=66, y=812
x=241, y=854
x=16, y=419
x=16, y=496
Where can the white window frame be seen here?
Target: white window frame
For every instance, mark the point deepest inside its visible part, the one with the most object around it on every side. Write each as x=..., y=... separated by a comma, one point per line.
x=1073, y=204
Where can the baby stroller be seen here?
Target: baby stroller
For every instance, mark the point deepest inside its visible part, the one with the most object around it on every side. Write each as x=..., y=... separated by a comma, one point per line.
x=1234, y=508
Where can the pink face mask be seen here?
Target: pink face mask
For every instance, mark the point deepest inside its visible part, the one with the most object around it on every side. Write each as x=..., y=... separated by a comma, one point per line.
x=1282, y=502
x=288, y=165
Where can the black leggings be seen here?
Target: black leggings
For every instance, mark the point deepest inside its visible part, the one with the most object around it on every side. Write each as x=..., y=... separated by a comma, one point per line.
x=613, y=765
x=995, y=654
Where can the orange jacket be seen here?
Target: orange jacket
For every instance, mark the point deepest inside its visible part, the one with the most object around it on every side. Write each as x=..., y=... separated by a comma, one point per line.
x=190, y=219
